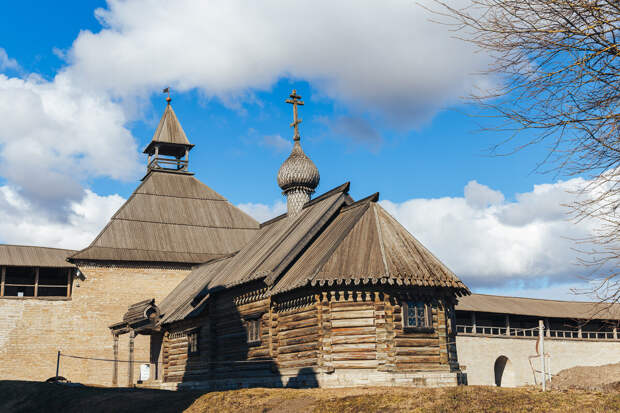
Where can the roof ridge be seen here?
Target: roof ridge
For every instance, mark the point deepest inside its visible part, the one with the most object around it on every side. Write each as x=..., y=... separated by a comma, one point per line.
x=542, y=299
x=340, y=188
x=370, y=198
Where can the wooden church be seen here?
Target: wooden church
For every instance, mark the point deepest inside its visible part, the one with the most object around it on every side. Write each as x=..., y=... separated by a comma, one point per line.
x=333, y=293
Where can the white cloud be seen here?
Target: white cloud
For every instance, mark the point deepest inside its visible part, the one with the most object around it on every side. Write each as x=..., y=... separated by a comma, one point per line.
x=55, y=136
x=25, y=223
x=6, y=62
x=262, y=212
x=491, y=242
x=382, y=57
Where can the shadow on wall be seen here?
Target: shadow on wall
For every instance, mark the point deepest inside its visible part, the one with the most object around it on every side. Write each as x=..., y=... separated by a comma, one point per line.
x=234, y=352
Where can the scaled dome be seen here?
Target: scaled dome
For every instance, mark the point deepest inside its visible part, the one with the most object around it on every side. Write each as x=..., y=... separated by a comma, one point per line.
x=298, y=171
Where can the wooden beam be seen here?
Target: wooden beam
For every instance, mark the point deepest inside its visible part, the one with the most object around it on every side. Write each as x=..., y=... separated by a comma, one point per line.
x=2, y=281
x=507, y=324
x=69, y=282
x=36, y=281
x=115, y=366
x=132, y=335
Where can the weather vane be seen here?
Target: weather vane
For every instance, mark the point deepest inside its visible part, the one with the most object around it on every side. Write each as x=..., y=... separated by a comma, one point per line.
x=295, y=100
x=167, y=90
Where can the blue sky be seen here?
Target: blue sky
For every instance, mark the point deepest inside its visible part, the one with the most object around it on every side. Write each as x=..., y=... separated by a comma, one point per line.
x=387, y=120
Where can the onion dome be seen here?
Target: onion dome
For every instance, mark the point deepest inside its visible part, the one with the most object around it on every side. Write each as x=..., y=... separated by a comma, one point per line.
x=298, y=171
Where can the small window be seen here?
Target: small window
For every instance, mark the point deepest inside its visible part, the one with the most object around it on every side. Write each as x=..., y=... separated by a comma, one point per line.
x=253, y=327
x=416, y=315
x=35, y=282
x=192, y=342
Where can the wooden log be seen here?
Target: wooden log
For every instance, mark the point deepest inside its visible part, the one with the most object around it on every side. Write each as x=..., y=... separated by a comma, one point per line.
x=354, y=322
x=299, y=340
x=339, y=348
x=346, y=306
x=342, y=315
x=354, y=339
x=297, y=356
x=353, y=331
x=310, y=312
x=298, y=332
x=417, y=359
x=298, y=348
x=369, y=355
x=298, y=363
x=417, y=351
x=415, y=335
x=416, y=342
x=355, y=364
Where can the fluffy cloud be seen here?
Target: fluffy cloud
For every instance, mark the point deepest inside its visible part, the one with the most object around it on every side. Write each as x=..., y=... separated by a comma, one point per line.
x=22, y=222
x=491, y=242
x=6, y=62
x=55, y=136
x=262, y=212
x=381, y=57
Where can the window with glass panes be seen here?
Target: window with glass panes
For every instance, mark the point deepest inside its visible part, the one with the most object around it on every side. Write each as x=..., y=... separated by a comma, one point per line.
x=416, y=315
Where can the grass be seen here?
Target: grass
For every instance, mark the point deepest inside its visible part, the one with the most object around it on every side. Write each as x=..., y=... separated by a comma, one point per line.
x=43, y=397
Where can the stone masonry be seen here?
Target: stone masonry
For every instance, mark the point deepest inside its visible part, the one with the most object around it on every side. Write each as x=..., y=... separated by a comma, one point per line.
x=33, y=330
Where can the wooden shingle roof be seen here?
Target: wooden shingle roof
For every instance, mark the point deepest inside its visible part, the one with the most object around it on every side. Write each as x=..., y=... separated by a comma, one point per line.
x=169, y=129
x=537, y=307
x=28, y=256
x=172, y=218
x=333, y=241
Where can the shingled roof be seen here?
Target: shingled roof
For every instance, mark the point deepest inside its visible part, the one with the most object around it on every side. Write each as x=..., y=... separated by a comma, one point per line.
x=169, y=131
x=538, y=307
x=172, y=217
x=333, y=241
x=29, y=256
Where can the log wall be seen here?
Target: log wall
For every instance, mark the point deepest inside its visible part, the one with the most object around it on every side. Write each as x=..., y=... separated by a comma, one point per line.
x=312, y=333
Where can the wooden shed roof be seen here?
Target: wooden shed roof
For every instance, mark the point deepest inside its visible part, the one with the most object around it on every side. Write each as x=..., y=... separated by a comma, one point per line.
x=537, y=307
x=28, y=256
x=172, y=218
x=333, y=241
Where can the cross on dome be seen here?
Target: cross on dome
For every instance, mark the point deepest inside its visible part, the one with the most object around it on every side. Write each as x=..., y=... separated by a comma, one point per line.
x=295, y=100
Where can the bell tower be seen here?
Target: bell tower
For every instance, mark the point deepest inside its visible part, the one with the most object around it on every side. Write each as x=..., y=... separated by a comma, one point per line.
x=169, y=148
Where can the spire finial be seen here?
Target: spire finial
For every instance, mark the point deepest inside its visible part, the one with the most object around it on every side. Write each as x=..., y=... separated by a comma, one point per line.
x=295, y=100
x=167, y=90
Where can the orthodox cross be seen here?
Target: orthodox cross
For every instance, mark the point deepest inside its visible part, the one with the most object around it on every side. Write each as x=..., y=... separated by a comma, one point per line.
x=167, y=90
x=295, y=100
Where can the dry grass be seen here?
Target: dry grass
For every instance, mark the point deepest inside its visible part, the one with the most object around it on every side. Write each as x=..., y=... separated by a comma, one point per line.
x=43, y=397
x=461, y=399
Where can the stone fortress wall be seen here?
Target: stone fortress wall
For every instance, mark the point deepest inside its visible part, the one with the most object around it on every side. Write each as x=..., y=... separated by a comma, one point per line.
x=32, y=330
x=480, y=355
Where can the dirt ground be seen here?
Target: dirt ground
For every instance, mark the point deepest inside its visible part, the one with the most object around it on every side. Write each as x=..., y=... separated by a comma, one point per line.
x=19, y=396
x=605, y=377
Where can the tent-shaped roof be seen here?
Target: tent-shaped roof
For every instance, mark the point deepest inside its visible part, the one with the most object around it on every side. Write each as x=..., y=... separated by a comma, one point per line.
x=169, y=131
x=172, y=217
x=333, y=241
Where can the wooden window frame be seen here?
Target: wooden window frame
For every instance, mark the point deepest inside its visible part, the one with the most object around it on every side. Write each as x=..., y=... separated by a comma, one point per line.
x=253, y=328
x=193, y=342
x=428, y=317
x=36, y=285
